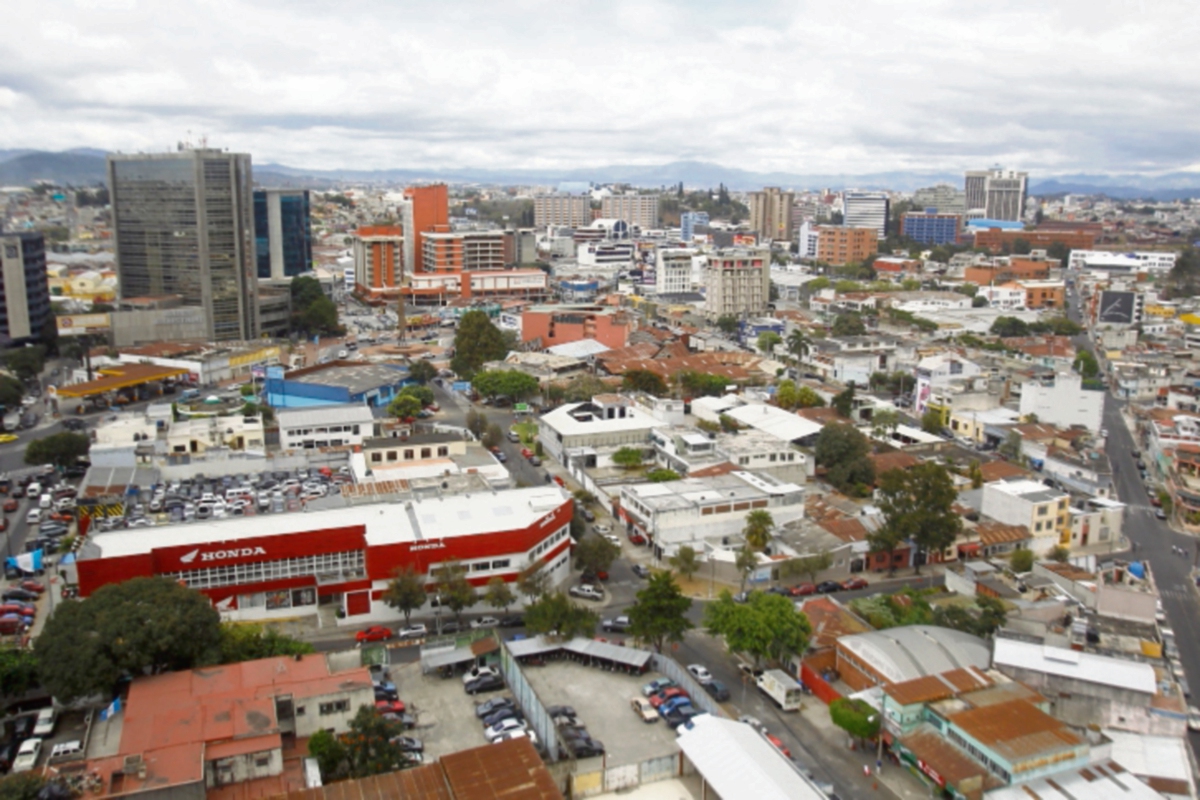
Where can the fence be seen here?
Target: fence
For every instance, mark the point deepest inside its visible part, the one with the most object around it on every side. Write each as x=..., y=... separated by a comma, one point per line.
x=530, y=703
x=626, y=776
x=700, y=697
x=820, y=687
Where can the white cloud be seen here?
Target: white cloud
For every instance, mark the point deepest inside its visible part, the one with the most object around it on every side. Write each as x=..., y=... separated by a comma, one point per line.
x=861, y=86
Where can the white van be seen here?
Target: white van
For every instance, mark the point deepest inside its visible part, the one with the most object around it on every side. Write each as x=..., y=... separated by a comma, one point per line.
x=46, y=501
x=34, y=516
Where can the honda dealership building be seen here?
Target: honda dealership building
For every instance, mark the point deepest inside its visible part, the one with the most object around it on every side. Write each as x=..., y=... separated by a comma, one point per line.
x=283, y=565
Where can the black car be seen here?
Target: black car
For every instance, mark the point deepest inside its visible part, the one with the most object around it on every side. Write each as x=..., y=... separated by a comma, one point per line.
x=408, y=744
x=485, y=683
x=589, y=516
x=587, y=749
x=717, y=689
x=450, y=627
x=19, y=594
x=8, y=751
x=500, y=714
x=561, y=711
x=641, y=570
x=495, y=704
x=512, y=621
x=382, y=693
x=828, y=587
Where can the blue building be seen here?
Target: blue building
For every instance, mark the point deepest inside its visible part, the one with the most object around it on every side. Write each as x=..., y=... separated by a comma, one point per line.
x=688, y=221
x=749, y=329
x=282, y=233
x=335, y=383
x=930, y=227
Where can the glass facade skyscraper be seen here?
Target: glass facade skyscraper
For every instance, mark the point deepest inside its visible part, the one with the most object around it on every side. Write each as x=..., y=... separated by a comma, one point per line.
x=282, y=233
x=183, y=225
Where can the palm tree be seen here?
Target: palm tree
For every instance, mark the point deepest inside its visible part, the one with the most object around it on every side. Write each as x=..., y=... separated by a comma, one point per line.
x=798, y=344
x=758, y=529
x=745, y=563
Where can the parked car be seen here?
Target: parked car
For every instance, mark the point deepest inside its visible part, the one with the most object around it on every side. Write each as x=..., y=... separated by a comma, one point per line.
x=375, y=633
x=803, y=590
x=585, y=591
x=586, y=748
x=657, y=685
x=857, y=582
x=502, y=727
x=10, y=505
x=17, y=593
x=485, y=622
x=389, y=706
x=561, y=711
x=512, y=621
x=476, y=672
x=667, y=694
x=718, y=690
x=501, y=714
x=385, y=691
x=641, y=570
x=700, y=673
x=641, y=706
x=47, y=718
x=616, y=624
x=828, y=587
x=408, y=744
x=779, y=745
x=636, y=538
x=27, y=755
x=495, y=704
x=488, y=683
x=417, y=631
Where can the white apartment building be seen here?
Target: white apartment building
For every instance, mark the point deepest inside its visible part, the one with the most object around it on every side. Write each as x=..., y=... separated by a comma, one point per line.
x=866, y=210
x=1100, y=519
x=673, y=270
x=1122, y=262
x=607, y=421
x=1063, y=402
x=738, y=282
x=606, y=254
x=1044, y=511
x=1003, y=297
x=324, y=426
x=636, y=209
x=807, y=237
x=566, y=210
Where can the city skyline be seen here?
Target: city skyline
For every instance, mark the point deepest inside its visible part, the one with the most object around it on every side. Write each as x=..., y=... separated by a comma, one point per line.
x=1048, y=88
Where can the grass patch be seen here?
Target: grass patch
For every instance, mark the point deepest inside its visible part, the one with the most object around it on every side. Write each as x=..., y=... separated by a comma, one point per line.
x=527, y=431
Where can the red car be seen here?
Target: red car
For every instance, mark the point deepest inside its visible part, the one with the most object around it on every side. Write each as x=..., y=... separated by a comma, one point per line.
x=20, y=609
x=389, y=706
x=779, y=745
x=32, y=586
x=854, y=583
x=10, y=505
x=525, y=451
x=803, y=590
x=636, y=538
x=3, y=523
x=375, y=633
x=666, y=694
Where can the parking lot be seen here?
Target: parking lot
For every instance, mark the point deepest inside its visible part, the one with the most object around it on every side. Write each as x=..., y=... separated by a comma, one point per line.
x=601, y=702
x=445, y=713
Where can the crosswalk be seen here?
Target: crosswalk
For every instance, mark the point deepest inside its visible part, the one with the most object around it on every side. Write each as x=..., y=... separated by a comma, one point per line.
x=1177, y=593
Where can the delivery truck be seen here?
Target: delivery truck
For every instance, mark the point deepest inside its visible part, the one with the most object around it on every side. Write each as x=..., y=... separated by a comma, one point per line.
x=782, y=688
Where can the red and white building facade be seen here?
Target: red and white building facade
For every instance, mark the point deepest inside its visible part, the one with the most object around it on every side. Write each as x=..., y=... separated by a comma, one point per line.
x=283, y=565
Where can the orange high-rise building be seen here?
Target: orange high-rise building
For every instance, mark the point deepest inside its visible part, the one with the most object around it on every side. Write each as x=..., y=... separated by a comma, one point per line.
x=378, y=260
x=430, y=209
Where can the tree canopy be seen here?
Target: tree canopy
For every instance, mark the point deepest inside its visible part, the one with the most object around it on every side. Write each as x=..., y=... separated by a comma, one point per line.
x=476, y=342
x=499, y=594
x=849, y=324
x=313, y=313
x=843, y=401
x=644, y=380
x=918, y=506
x=686, y=561
x=368, y=748
x=659, y=615
x=455, y=590
x=422, y=371
x=406, y=591
x=137, y=627
x=11, y=392
x=766, y=627
x=628, y=457
x=727, y=323
x=404, y=406
x=556, y=612
x=595, y=554
x=248, y=642
x=757, y=529
x=810, y=565
x=26, y=362
x=1021, y=559
x=767, y=341
x=843, y=450
x=932, y=421
x=662, y=475
x=856, y=717
x=504, y=382
x=60, y=449
x=533, y=581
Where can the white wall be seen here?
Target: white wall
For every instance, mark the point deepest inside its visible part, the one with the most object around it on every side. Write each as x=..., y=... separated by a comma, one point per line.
x=1063, y=404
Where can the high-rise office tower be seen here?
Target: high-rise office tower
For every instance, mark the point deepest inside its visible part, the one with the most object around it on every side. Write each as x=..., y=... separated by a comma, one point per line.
x=688, y=221
x=771, y=213
x=996, y=194
x=24, y=293
x=866, y=210
x=636, y=209
x=975, y=189
x=738, y=282
x=282, y=233
x=943, y=197
x=561, y=210
x=183, y=223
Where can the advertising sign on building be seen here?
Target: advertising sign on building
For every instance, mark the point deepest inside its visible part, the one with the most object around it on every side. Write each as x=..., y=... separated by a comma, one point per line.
x=1116, y=308
x=83, y=324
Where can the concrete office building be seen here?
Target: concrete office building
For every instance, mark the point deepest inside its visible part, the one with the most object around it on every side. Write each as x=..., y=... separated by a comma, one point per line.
x=24, y=293
x=840, y=246
x=931, y=227
x=636, y=209
x=561, y=210
x=771, y=213
x=996, y=194
x=673, y=272
x=467, y=251
x=183, y=223
x=943, y=197
x=688, y=221
x=282, y=233
x=738, y=282
x=379, y=259
x=866, y=210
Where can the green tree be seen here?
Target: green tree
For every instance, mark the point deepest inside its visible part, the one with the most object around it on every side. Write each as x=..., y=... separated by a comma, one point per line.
x=807, y=397
x=849, y=324
x=493, y=436
x=1010, y=448
x=476, y=342
x=757, y=529
x=628, y=457
x=305, y=291
x=811, y=565
x=60, y=449
x=979, y=301
x=137, y=627
x=662, y=475
x=918, y=506
x=422, y=371
x=785, y=395
x=659, y=615
x=247, y=390
x=856, y=717
x=370, y=745
x=477, y=422
x=533, y=581
x=843, y=401
x=1005, y=327
x=330, y=754
x=766, y=627
x=249, y=642
x=1021, y=247
x=556, y=612
x=1021, y=560
x=454, y=588
x=1086, y=364
x=745, y=562
x=11, y=392
x=1059, y=251
x=975, y=473
x=18, y=671
x=26, y=362
x=932, y=420
x=644, y=380
x=505, y=383
x=405, y=591
x=582, y=388
x=767, y=341
x=595, y=554
x=798, y=344
x=884, y=422
x=499, y=594
x=843, y=450
x=404, y=406
x=686, y=561
x=423, y=394
x=1059, y=553
x=728, y=323
x=992, y=615
x=320, y=318
x=23, y=786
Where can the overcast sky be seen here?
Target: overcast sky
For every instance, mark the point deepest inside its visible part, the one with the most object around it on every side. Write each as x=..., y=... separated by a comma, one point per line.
x=813, y=87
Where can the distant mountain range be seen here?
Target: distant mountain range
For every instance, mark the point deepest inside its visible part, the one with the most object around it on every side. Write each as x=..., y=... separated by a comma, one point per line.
x=85, y=166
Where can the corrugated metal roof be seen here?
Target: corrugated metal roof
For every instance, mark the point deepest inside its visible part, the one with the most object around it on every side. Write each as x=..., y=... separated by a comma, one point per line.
x=1087, y=667
x=334, y=414
x=739, y=764
x=537, y=645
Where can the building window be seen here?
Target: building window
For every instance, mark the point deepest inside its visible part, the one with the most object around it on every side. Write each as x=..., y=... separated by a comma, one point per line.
x=500, y=564
x=408, y=455
x=443, y=451
x=336, y=707
x=391, y=455
x=300, y=711
x=426, y=452
x=262, y=762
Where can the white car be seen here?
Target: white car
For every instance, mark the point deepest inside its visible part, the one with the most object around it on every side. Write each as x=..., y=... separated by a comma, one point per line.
x=45, y=722
x=1193, y=718
x=586, y=591
x=27, y=756
x=519, y=733
x=417, y=631
x=700, y=673
x=501, y=728
x=478, y=672
x=602, y=529
x=485, y=622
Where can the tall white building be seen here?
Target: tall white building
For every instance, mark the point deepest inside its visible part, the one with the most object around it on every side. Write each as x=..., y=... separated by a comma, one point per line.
x=636, y=209
x=771, y=213
x=673, y=271
x=996, y=194
x=866, y=210
x=565, y=210
x=738, y=282
x=807, y=238
x=1063, y=402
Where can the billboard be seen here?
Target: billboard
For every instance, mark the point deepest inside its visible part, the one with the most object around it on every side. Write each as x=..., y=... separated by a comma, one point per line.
x=83, y=324
x=1116, y=308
